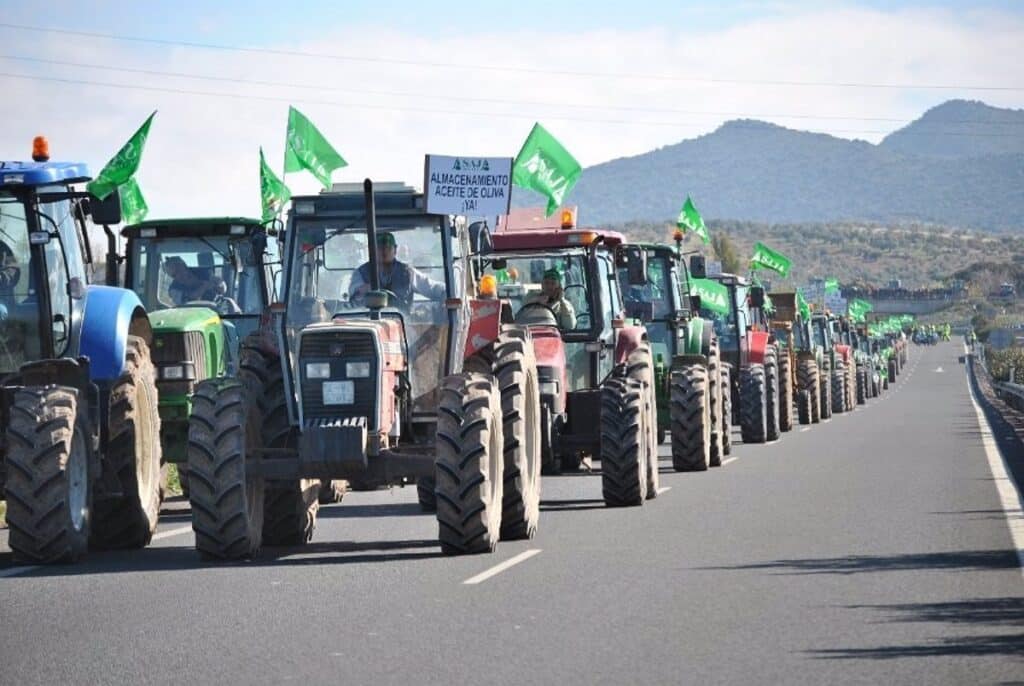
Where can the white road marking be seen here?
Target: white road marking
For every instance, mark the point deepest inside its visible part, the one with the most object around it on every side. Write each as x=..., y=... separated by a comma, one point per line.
x=806, y=428
x=664, y=489
x=937, y=369
x=172, y=532
x=502, y=566
x=15, y=571
x=727, y=461
x=1009, y=491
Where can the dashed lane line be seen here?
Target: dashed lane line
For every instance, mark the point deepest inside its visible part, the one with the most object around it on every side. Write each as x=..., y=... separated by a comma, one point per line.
x=728, y=460
x=664, y=489
x=178, y=531
x=501, y=567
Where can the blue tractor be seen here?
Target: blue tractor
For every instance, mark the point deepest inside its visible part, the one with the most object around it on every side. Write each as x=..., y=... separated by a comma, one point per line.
x=79, y=427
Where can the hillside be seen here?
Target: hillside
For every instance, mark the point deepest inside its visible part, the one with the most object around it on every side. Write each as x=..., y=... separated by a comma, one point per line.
x=754, y=171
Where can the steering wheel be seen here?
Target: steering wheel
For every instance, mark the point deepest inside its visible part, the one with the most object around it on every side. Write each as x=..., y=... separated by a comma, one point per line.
x=393, y=300
x=202, y=303
x=226, y=305
x=524, y=314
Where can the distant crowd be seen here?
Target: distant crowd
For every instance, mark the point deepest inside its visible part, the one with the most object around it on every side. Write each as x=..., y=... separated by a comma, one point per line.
x=903, y=293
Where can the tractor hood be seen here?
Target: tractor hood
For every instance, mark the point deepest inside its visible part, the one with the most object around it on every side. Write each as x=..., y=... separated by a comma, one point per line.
x=183, y=319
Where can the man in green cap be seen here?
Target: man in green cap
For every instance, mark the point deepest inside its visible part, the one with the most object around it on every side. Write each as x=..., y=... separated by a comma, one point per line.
x=396, y=276
x=552, y=296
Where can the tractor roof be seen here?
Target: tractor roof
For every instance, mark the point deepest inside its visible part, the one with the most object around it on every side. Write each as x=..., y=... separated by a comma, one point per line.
x=530, y=228
x=188, y=225
x=14, y=173
x=731, y=279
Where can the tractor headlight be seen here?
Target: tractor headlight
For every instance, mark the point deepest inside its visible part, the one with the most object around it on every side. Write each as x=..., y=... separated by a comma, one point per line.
x=318, y=370
x=174, y=372
x=357, y=370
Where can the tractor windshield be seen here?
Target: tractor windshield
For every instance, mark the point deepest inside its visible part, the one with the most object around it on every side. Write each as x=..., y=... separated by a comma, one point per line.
x=221, y=272
x=655, y=303
x=547, y=286
x=19, y=272
x=727, y=325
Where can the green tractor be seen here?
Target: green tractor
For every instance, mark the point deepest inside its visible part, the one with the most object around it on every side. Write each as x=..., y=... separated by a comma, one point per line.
x=688, y=372
x=207, y=282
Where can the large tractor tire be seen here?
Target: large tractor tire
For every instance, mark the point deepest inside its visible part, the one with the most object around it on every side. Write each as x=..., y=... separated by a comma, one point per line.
x=803, y=406
x=807, y=380
x=640, y=366
x=838, y=381
x=715, y=411
x=470, y=464
x=132, y=453
x=771, y=377
x=290, y=507
x=726, y=409
x=227, y=502
x=862, y=385
x=753, y=404
x=892, y=369
x=332, y=491
x=785, y=393
x=825, y=382
x=691, y=419
x=624, y=443
x=48, y=479
x=515, y=369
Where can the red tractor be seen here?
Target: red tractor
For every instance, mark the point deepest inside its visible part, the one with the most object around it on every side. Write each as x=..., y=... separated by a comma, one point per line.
x=596, y=370
x=384, y=362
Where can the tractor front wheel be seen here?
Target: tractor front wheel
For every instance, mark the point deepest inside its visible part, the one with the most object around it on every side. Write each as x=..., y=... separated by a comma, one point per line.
x=691, y=419
x=753, y=404
x=624, y=443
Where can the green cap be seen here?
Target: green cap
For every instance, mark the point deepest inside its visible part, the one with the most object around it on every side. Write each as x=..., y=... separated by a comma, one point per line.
x=386, y=238
x=553, y=274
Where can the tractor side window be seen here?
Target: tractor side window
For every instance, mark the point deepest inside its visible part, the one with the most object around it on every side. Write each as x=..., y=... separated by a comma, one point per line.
x=60, y=299
x=19, y=311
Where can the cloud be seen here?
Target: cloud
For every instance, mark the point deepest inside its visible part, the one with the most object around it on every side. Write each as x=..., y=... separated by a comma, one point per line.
x=202, y=154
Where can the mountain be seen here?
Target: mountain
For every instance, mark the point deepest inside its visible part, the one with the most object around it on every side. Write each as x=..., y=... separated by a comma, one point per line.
x=755, y=171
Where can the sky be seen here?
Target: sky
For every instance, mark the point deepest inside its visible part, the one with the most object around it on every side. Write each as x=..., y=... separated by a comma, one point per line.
x=388, y=82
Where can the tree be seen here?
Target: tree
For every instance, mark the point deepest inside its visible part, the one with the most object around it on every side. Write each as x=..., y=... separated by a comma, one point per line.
x=725, y=251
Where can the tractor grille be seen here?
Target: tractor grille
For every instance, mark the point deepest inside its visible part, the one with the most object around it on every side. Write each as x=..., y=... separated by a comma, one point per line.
x=338, y=348
x=177, y=347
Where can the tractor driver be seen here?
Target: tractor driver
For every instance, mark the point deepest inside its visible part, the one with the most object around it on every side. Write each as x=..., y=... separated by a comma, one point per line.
x=396, y=276
x=10, y=273
x=553, y=297
x=186, y=285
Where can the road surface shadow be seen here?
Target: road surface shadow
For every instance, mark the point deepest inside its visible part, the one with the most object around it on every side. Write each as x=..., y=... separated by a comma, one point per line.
x=184, y=558
x=343, y=511
x=573, y=505
x=993, y=612
x=964, y=560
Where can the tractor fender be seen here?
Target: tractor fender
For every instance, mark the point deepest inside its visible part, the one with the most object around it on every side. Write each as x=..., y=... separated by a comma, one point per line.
x=110, y=315
x=549, y=350
x=758, y=347
x=844, y=350
x=698, y=337
x=628, y=340
x=484, y=325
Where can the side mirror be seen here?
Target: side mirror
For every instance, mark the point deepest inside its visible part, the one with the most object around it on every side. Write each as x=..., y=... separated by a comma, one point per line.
x=636, y=265
x=106, y=212
x=695, y=303
x=480, y=238
x=756, y=297
x=698, y=267
x=498, y=264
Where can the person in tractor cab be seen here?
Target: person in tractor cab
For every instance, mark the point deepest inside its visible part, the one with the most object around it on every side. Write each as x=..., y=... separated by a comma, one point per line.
x=396, y=276
x=10, y=273
x=553, y=297
x=186, y=285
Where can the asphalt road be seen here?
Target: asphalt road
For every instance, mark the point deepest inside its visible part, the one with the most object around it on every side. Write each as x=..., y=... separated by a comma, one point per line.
x=870, y=549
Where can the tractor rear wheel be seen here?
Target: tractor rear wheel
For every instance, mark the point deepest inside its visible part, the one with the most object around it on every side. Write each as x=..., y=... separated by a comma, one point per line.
x=892, y=369
x=807, y=380
x=132, y=453
x=803, y=406
x=624, y=442
x=715, y=405
x=640, y=366
x=726, y=409
x=691, y=419
x=227, y=502
x=470, y=464
x=838, y=380
x=48, y=481
x=753, y=404
x=771, y=375
x=862, y=385
x=332, y=491
x=825, y=382
x=785, y=393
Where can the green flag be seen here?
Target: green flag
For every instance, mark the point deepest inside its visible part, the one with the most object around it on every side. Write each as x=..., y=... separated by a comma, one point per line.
x=713, y=295
x=769, y=259
x=123, y=165
x=831, y=285
x=690, y=220
x=273, y=192
x=801, y=302
x=543, y=165
x=860, y=305
x=306, y=148
x=133, y=206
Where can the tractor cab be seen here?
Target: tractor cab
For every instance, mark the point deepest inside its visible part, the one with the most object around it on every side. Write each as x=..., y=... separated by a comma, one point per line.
x=747, y=316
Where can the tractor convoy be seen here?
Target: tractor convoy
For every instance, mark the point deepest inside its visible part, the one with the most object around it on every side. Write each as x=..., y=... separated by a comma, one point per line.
x=367, y=341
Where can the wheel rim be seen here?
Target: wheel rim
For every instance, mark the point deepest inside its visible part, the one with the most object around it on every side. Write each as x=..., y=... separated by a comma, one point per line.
x=77, y=475
x=146, y=473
